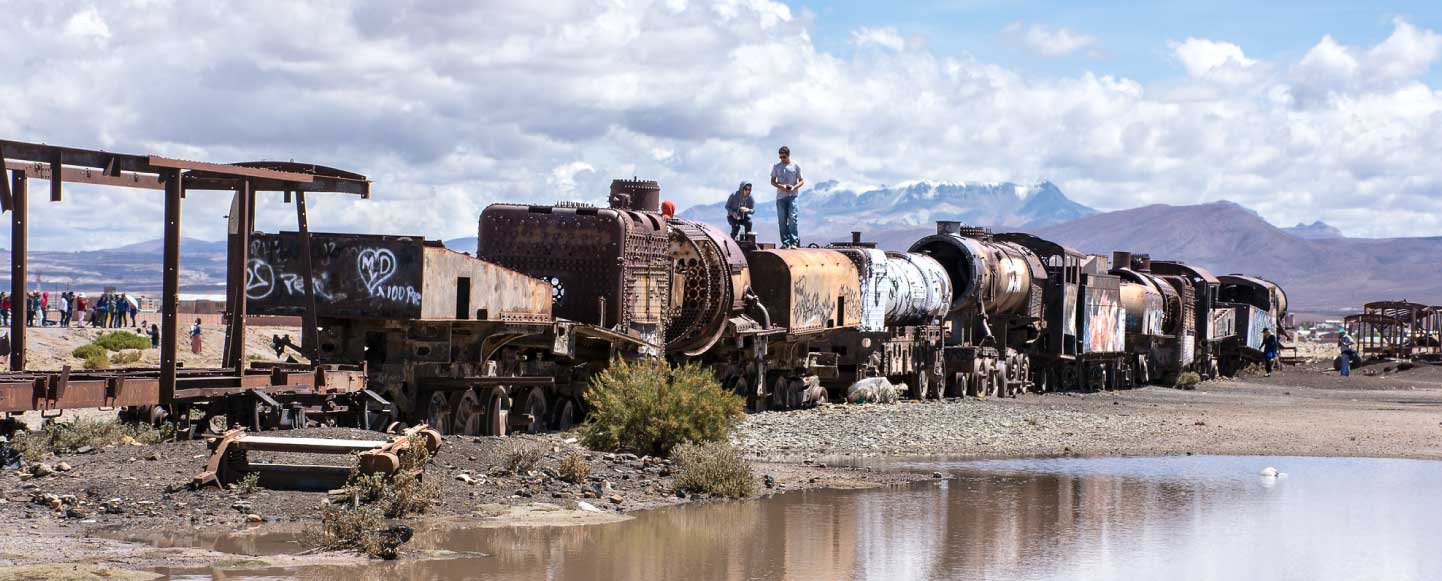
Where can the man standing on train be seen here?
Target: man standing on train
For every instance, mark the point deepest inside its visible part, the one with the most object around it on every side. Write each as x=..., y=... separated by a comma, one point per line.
x=786, y=177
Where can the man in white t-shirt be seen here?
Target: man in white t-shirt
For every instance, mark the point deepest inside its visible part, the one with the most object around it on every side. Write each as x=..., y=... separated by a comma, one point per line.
x=786, y=177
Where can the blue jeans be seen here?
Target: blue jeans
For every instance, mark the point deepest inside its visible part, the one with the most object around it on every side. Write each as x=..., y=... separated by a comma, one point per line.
x=786, y=218
x=1346, y=363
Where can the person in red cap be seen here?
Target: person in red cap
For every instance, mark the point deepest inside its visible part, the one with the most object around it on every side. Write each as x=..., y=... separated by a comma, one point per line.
x=668, y=209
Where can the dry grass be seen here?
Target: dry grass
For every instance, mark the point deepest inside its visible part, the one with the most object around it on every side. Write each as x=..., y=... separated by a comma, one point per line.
x=649, y=407
x=519, y=456
x=714, y=468
x=402, y=494
x=63, y=437
x=248, y=484
x=346, y=528
x=1188, y=380
x=574, y=468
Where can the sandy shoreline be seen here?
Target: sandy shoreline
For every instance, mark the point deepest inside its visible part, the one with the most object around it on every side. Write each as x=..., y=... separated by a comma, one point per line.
x=1302, y=412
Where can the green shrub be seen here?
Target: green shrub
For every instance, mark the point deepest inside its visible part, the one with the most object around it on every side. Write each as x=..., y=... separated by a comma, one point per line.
x=1188, y=380
x=89, y=350
x=519, y=456
x=574, y=469
x=62, y=437
x=121, y=340
x=650, y=407
x=714, y=468
x=248, y=484
x=99, y=361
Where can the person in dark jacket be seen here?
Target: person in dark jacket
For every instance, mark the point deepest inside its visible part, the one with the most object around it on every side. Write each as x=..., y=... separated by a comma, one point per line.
x=154, y=336
x=739, y=208
x=1271, y=346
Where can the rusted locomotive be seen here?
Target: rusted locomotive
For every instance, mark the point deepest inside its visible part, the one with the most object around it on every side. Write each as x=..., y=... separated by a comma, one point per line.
x=449, y=339
x=508, y=339
x=782, y=326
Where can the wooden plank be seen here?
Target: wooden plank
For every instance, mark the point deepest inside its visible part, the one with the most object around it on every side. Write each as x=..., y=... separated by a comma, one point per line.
x=305, y=445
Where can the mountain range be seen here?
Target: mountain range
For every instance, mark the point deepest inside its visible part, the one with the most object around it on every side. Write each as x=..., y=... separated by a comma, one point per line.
x=1323, y=271
x=830, y=210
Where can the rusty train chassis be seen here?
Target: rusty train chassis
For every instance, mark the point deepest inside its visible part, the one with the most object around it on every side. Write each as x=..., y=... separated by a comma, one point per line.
x=264, y=397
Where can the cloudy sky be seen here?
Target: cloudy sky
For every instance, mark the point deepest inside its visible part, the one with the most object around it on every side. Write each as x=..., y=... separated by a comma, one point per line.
x=1301, y=111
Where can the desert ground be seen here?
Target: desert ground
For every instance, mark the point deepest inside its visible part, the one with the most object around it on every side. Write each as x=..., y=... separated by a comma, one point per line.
x=1383, y=410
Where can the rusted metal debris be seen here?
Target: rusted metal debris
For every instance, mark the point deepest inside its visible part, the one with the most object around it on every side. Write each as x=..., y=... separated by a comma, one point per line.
x=229, y=459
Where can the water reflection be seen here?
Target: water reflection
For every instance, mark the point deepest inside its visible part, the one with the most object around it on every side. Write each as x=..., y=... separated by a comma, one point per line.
x=1146, y=518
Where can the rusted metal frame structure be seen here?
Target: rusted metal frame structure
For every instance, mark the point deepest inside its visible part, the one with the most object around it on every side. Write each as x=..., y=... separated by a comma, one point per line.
x=1398, y=329
x=175, y=177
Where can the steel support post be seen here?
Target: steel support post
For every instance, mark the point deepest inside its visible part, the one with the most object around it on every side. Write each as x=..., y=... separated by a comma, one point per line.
x=310, y=339
x=19, y=238
x=239, y=277
x=170, y=286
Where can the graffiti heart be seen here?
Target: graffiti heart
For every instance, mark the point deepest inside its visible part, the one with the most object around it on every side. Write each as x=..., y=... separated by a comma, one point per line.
x=375, y=266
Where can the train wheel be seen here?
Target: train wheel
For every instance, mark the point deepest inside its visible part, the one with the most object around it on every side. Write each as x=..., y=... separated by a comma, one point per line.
x=919, y=389
x=536, y=409
x=998, y=384
x=566, y=414
x=469, y=414
x=498, y=413
x=438, y=412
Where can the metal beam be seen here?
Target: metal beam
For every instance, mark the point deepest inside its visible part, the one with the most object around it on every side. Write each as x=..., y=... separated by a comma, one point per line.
x=19, y=243
x=231, y=170
x=78, y=175
x=4, y=182
x=170, y=286
x=239, y=278
x=310, y=337
x=56, y=162
x=41, y=153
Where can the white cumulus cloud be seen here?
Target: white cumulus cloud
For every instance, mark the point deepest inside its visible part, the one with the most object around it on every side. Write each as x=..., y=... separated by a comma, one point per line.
x=884, y=37
x=450, y=105
x=1050, y=42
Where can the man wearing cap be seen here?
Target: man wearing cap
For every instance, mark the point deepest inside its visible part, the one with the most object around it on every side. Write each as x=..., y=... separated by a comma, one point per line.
x=786, y=177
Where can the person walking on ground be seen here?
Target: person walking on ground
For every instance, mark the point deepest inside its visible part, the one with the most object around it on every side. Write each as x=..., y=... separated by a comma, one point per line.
x=64, y=310
x=739, y=208
x=1271, y=346
x=786, y=178
x=5, y=307
x=45, y=309
x=195, y=345
x=80, y=305
x=1344, y=344
x=154, y=336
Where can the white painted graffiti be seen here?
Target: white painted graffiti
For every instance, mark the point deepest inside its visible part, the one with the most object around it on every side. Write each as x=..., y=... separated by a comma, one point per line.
x=259, y=279
x=375, y=266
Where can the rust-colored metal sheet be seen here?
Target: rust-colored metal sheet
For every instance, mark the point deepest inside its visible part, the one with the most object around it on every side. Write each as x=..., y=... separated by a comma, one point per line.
x=710, y=277
x=607, y=267
x=808, y=290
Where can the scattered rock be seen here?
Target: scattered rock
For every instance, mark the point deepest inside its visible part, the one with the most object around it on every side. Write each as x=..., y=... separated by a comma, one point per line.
x=254, y=518
x=616, y=499
x=63, y=467
x=937, y=475
x=41, y=470
x=153, y=456
x=85, y=449
x=586, y=506
x=466, y=478
x=1269, y=472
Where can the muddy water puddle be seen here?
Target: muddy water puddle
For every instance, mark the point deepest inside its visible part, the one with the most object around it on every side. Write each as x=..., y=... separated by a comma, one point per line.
x=1200, y=517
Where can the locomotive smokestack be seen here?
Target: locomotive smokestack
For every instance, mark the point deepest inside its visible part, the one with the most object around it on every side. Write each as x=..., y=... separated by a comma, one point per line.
x=948, y=227
x=636, y=194
x=1142, y=262
x=856, y=238
x=1121, y=259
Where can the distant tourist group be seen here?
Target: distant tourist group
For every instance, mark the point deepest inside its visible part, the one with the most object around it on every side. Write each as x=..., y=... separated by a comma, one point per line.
x=786, y=178
x=111, y=310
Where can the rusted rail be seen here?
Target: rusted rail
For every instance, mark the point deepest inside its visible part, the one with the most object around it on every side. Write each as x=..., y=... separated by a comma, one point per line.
x=229, y=459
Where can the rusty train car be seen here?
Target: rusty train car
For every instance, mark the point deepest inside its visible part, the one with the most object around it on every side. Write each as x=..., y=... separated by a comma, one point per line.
x=509, y=338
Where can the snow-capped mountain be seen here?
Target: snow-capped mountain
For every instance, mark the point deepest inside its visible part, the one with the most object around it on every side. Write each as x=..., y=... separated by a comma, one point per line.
x=831, y=209
x=1318, y=230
